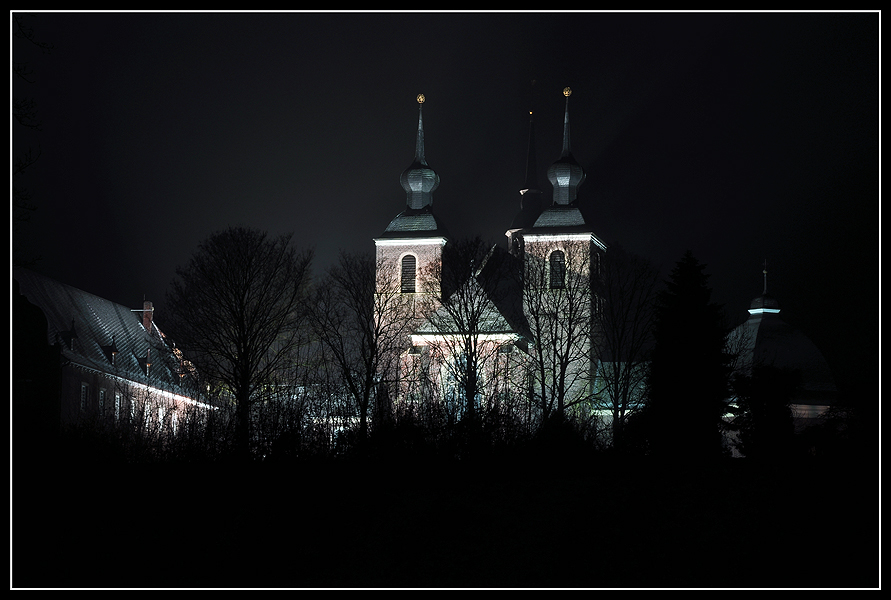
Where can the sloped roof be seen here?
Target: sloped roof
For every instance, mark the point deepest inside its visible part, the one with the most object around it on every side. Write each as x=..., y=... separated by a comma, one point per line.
x=415, y=222
x=559, y=216
x=501, y=293
x=86, y=326
x=491, y=320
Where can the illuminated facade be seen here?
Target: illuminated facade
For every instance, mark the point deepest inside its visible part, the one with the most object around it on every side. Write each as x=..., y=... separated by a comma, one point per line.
x=113, y=364
x=561, y=258
x=406, y=253
x=528, y=310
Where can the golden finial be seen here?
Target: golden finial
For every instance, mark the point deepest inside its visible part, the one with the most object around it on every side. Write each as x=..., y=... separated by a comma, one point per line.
x=567, y=92
x=421, y=98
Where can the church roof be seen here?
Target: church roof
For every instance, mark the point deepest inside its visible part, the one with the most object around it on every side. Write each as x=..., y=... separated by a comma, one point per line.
x=88, y=328
x=501, y=300
x=490, y=321
x=561, y=216
x=766, y=339
x=413, y=222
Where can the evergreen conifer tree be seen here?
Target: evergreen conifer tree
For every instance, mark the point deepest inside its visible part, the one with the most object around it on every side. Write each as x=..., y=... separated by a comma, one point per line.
x=690, y=368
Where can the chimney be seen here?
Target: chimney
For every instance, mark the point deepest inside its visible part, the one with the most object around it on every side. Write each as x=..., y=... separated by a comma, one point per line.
x=147, y=311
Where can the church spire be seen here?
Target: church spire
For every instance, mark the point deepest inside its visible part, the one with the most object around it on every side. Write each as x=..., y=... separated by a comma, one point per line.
x=765, y=303
x=419, y=143
x=566, y=175
x=419, y=180
x=566, y=149
x=530, y=185
x=765, y=277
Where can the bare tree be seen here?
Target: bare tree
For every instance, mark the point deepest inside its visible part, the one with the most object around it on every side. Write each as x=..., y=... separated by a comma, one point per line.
x=236, y=309
x=628, y=286
x=362, y=320
x=467, y=326
x=560, y=305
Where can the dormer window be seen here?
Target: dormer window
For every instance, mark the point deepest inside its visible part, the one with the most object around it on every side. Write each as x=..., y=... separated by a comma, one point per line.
x=111, y=352
x=69, y=336
x=557, y=270
x=409, y=274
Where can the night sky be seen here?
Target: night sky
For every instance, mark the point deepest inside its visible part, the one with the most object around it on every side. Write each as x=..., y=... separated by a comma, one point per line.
x=738, y=136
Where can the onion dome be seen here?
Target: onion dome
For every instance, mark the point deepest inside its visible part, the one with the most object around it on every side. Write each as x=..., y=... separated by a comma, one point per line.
x=566, y=175
x=419, y=180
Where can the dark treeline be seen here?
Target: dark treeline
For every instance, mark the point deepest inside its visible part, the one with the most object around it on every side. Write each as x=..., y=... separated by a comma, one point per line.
x=301, y=367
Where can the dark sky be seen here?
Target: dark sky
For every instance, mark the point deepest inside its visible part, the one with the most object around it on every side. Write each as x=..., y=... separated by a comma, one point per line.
x=738, y=136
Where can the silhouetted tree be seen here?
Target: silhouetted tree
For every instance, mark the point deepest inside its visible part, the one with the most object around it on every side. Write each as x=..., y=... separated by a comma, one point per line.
x=690, y=368
x=628, y=286
x=465, y=322
x=561, y=309
x=236, y=309
x=362, y=319
x=763, y=420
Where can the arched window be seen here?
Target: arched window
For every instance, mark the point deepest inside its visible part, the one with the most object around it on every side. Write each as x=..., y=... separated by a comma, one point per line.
x=558, y=270
x=409, y=268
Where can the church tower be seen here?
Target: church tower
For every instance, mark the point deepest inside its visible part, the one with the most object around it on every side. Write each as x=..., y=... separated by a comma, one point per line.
x=414, y=238
x=561, y=256
x=560, y=229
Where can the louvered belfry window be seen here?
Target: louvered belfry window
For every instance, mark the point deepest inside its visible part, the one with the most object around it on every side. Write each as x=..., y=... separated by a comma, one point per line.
x=409, y=268
x=558, y=270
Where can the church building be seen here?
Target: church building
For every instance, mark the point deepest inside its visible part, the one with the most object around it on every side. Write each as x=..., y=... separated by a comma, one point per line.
x=765, y=339
x=519, y=331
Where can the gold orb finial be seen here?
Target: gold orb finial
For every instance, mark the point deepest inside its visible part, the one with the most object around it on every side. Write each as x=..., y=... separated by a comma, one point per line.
x=567, y=92
x=421, y=98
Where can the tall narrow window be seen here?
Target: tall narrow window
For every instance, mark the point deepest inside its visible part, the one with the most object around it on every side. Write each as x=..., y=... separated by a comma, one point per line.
x=84, y=393
x=558, y=270
x=409, y=268
x=101, y=403
x=117, y=406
